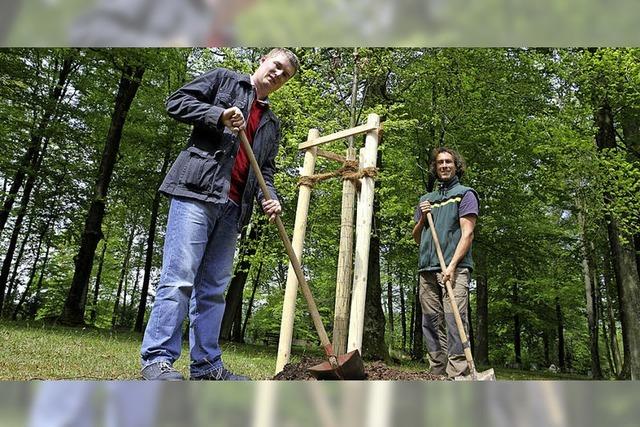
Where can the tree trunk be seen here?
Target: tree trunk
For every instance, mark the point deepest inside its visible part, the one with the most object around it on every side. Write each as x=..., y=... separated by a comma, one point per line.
x=390, y=306
x=591, y=290
x=151, y=236
x=403, y=318
x=636, y=246
x=30, y=158
x=629, y=300
x=517, y=329
x=236, y=331
x=127, y=312
x=624, y=258
x=124, y=274
x=605, y=336
x=417, y=352
x=35, y=305
x=545, y=345
x=74, y=306
x=613, y=330
x=34, y=163
x=233, y=299
x=96, y=289
x=123, y=306
x=560, y=324
x=482, y=311
x=32, y=275
x=256, y=283
x=6, y=265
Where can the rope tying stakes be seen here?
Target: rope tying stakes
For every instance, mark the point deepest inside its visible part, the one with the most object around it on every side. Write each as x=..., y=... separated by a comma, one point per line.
x=348, y=171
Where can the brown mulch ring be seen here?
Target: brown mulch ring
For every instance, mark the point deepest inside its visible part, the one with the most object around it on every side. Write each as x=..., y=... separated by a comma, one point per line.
x=374, y=371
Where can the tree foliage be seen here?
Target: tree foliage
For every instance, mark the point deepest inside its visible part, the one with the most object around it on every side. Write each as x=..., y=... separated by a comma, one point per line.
x=524, y=119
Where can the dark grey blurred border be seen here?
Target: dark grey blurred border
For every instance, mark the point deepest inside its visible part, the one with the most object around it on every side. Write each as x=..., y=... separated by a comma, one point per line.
x=269, y=403
x=319, y=23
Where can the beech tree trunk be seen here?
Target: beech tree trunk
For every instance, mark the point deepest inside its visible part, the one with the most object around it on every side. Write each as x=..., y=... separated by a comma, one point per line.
x=35, y=164
x=482, y=313
x=390, y=308
x=560, y=325
x=32, y=274
x=30, y=158
x=151, y=237
x=517, y=328
x=96, y=289
x=591, y=291
x=6, y=265
x=233, y=299
x=403, y=318
x=124, y=273
x=417, y=352
x=74, y=306
x=605, y=336
x=256, y=283
x=624, y=259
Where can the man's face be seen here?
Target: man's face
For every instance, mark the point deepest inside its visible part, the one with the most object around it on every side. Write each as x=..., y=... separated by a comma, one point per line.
x=273, y=72
x=445, y=166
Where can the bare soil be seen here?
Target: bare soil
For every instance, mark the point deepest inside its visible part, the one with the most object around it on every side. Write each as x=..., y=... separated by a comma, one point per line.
x=373, y=370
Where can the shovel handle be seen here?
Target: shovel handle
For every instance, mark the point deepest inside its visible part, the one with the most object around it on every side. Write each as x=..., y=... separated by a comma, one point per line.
x=452, y=299
x=304, y=287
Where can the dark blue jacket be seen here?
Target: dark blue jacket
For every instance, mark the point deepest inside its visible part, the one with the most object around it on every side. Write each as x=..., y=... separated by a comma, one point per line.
x=203, y=170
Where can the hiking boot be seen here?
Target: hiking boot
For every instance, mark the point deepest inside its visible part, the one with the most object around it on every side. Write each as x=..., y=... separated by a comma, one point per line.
x=220, y=374
x=161, y=371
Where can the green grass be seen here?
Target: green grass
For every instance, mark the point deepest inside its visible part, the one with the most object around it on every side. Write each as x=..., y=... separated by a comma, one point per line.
x=30, y=351
x=37, y=351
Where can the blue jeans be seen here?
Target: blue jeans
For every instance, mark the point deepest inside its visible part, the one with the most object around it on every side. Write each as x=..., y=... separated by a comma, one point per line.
x=196, y=268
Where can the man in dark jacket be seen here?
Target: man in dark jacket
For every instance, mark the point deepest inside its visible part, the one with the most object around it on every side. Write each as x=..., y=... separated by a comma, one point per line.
x=212, y=189
x=455, y=210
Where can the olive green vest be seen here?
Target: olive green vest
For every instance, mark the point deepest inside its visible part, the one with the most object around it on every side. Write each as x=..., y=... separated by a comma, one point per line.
x=444, y=209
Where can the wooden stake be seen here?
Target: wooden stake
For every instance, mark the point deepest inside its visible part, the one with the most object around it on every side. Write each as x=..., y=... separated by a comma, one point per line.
x=312, y=142
x=345, y=264
x=368, y=157
x=299, y=230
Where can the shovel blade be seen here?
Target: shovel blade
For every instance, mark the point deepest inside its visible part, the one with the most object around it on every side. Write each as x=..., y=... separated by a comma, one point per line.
x=349, y=367
x=488, y=375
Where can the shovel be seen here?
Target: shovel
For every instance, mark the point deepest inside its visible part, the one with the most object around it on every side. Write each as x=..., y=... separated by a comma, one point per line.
x=487, y=375
x=344, y=367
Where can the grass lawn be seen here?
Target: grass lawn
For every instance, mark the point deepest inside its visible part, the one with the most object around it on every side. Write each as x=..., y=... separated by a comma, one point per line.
x=35, y=351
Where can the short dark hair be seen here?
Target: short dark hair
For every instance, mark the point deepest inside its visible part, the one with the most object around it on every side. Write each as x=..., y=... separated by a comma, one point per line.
x=457, y=159
x=293, y=59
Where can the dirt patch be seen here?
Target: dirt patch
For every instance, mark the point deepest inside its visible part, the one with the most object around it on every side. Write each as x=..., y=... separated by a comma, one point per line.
x=373, y=370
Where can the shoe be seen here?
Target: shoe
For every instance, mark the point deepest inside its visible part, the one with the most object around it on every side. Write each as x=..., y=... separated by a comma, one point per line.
x=220, y=374
x=161, y=371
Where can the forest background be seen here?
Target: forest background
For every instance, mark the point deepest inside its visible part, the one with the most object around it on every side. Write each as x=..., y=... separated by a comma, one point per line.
x=552, y=142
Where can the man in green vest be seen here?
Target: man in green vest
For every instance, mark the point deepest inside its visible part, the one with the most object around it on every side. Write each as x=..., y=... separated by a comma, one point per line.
x=454, y=208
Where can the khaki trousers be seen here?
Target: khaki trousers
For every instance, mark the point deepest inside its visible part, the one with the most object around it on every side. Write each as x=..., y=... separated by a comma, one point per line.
x=444, y=347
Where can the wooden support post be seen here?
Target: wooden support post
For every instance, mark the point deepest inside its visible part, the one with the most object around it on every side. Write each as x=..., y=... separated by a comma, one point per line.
x=339, y=135
x=345, y=264
x=299, y=230
x=368, y=157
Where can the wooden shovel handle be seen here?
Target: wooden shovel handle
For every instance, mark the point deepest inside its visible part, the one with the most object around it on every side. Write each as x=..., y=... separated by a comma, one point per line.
x=452, y=299
x=304, y=287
